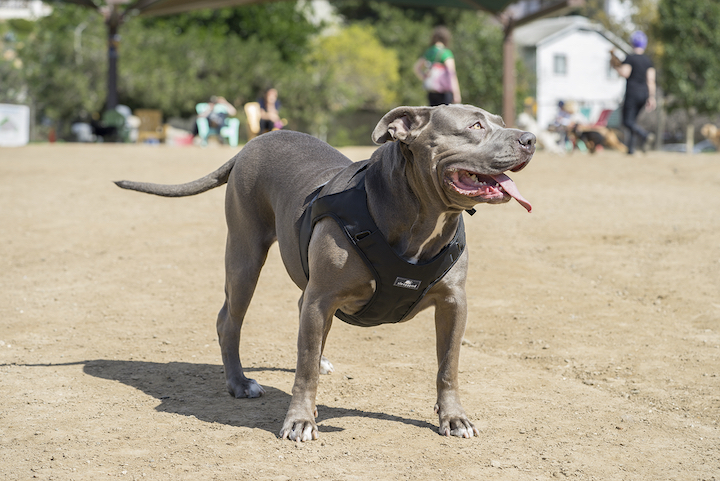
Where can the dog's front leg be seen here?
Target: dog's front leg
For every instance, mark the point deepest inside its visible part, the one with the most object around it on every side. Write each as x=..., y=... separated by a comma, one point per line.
x=450, y=319
x=315, y=322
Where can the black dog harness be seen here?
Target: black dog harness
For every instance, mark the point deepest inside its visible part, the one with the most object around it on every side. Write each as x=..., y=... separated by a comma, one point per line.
x=400, y=285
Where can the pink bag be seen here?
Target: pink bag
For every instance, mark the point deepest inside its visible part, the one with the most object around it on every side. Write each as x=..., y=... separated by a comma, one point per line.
x=437, y=77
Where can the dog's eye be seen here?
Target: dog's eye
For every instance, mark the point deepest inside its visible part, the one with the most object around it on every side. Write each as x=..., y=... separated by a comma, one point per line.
x=477, y=126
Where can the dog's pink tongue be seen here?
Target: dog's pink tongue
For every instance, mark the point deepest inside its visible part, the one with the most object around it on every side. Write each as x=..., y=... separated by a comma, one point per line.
x=509, y=186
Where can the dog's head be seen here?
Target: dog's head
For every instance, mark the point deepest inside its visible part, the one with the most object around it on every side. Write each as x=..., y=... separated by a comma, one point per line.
x=468, y=150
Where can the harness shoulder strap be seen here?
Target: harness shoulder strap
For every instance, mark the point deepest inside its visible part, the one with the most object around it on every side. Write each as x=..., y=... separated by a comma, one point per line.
x=400, y=285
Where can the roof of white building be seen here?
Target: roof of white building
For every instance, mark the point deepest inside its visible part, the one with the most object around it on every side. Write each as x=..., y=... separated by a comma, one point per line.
x=550, y=29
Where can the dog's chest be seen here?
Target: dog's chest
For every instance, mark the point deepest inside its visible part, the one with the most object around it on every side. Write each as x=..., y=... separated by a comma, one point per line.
x=400, y=285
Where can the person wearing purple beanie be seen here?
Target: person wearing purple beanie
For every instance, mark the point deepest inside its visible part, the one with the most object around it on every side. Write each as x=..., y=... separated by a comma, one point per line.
x=638, y=69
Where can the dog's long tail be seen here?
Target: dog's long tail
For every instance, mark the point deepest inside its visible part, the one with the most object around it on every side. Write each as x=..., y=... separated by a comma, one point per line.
x=210, y=181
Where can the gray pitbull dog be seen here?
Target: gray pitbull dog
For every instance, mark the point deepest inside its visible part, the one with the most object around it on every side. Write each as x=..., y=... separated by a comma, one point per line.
x=434, y=164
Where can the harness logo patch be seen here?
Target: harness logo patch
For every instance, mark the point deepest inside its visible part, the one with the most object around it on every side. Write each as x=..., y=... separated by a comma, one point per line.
x=407, y=283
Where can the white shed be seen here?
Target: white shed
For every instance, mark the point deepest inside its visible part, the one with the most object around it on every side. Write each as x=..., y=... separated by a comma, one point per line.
x=570, y=60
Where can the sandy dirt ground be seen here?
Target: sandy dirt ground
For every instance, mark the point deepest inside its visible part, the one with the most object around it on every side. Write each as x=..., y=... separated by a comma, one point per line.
x=592, y=349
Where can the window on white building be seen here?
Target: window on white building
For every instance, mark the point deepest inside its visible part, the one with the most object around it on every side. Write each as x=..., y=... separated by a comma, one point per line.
x=560, y=64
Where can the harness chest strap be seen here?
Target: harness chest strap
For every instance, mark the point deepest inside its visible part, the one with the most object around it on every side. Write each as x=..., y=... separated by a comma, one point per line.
x=400, y=285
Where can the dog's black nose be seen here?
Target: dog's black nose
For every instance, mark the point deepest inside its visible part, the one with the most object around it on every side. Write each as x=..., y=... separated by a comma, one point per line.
x=527, y=141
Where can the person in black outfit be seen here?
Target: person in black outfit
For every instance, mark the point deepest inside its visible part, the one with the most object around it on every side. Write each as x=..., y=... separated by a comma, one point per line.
x=638, y=69
x=269, y=111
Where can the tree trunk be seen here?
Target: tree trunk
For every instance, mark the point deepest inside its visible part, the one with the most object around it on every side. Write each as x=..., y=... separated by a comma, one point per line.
x=661, y=119
x=690, y=131
x=509, y=74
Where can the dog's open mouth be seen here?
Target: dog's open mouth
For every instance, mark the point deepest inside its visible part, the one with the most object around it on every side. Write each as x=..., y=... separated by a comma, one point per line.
x=488, y=187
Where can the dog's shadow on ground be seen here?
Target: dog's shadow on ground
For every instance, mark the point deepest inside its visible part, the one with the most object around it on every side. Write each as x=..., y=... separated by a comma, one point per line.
x=198, y=390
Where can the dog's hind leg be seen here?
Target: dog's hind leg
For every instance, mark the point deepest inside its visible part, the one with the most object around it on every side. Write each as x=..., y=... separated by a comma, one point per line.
x=243, y=261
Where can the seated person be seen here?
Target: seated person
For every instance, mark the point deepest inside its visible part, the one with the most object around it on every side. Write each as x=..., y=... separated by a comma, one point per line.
x=216, y=117
x=564, y=121
x=269, y=111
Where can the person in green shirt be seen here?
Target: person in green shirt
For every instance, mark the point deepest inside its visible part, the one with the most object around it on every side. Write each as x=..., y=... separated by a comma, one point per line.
x=436, y=69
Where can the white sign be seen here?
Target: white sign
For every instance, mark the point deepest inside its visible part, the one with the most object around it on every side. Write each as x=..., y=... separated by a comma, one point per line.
x=14, y=125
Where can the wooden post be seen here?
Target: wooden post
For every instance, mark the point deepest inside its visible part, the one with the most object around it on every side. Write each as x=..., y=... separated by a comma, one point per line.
x=113, y=19
x=509, y=72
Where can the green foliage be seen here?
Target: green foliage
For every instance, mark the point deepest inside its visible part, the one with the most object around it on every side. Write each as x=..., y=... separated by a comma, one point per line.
x=477, y=47
x=404, y=30
x=12, y=78
x=172, y=63
x=690, y=62
x=381, y=12
x=64, y=81
x=283, y=25
x=363, y=73
x=161, y=69
x=643, y=17
x=20, y=26
x=160, y=64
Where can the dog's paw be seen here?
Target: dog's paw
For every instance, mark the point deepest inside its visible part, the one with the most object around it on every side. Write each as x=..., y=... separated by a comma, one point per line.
x=249, y=389
x=326, y=366
x=456, y=425
x=462, y=429
x=300, y=430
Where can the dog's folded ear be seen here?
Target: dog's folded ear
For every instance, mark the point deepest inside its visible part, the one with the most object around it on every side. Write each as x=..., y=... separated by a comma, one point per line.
x=401, y=123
